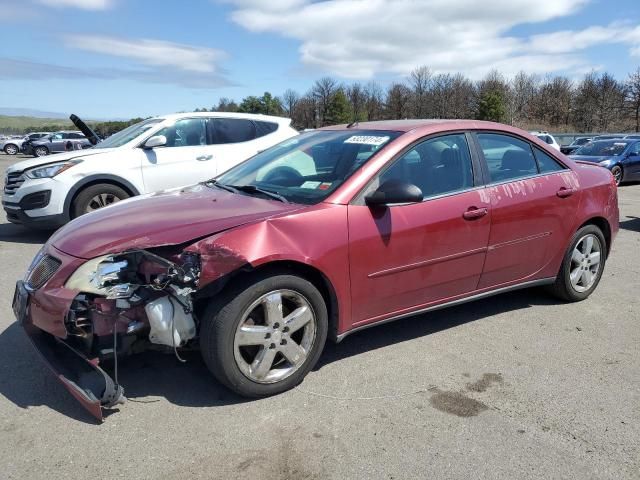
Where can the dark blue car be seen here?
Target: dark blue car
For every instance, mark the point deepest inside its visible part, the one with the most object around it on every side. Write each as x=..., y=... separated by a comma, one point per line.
x=621, y=156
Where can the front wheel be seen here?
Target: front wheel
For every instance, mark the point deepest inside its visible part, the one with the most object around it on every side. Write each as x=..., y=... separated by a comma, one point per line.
x=262, y=338
x=41, y=151
x=617, y=174
x=582, y=265
x=96, y=197
x=11, y=149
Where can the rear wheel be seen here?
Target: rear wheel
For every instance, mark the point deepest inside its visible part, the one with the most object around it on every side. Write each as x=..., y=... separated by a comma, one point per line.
x=96, y=197
x=617, y=174
x=41, y=151
x=11, y=149
x=262, y=338
x=582, y=265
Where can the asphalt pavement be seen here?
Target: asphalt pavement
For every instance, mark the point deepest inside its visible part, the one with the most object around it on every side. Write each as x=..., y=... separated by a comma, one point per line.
x=515, y=386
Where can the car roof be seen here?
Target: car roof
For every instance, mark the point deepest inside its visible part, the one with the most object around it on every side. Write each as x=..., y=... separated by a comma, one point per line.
x=248, y=116
x=426, y=124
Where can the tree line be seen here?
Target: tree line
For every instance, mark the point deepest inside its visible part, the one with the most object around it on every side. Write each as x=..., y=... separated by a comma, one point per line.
x=598, y=102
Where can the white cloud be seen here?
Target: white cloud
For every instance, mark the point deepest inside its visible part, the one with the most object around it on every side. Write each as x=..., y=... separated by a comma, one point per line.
x=83, y=4
x=361, y=38
x=156, y=53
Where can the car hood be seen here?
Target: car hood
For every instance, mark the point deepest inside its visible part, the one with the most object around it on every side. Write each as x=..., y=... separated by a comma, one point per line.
x=593, y=158
x=166, y=218
x=55, y=158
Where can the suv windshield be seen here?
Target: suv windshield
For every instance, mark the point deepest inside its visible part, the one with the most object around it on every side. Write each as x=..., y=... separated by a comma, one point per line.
x=128, y=134
x=307, y=168
x=602, y=148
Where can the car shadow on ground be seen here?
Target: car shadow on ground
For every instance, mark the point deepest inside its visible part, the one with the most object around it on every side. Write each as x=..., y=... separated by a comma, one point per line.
x=25, y=381
x=18, y=234
x=633, y=224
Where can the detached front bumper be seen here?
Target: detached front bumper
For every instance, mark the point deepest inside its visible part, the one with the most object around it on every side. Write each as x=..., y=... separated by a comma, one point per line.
x=81, y=376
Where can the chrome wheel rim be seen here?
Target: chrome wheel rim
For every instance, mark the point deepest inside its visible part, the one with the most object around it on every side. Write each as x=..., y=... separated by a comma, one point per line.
x=275, y=336
x=41, y=152
x=11, y=149
x=585, y=263
x=101, y=200
x=617, y=174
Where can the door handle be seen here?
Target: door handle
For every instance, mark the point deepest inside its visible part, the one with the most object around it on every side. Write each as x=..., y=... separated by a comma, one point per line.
x=473, y=213
x=565, y=192
x=204, y=158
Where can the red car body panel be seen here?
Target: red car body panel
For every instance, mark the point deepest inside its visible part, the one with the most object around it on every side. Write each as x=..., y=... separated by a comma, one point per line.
x=377, y=263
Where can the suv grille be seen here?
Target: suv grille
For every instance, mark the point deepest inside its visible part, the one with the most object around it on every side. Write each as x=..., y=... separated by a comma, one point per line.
x=12, y=182
x=42, y=271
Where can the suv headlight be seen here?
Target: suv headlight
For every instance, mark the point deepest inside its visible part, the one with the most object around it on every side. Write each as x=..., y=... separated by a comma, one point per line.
x=50, y=171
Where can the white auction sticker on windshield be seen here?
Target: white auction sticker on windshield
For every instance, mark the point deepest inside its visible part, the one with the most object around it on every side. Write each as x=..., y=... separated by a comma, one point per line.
x=367, y=140
x=312, y=185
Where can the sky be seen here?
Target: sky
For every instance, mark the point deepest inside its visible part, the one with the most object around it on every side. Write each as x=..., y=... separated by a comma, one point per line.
x=105, y=59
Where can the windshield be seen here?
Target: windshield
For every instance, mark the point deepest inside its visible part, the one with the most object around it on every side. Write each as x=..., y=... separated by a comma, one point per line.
x=308, y=168
x=128, y=134
x=602, y=148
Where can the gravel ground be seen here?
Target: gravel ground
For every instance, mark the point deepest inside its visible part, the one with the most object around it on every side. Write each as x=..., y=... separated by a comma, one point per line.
x=516, y=386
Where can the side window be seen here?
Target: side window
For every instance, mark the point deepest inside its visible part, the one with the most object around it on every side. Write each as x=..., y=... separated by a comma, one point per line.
x=231, y=130
x=265, y=128
x=75, y=135
x=546, y=163
x=188, y=132
x=437, y=166
x=635, y=149
x=57, y=136
x=508, y=158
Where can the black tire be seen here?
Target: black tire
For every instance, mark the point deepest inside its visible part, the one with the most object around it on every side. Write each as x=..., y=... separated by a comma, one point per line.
x=40, y=151
x=221, y=319
x=81, y=203
x=11, y=149
x=563, y=288
x=617, y=173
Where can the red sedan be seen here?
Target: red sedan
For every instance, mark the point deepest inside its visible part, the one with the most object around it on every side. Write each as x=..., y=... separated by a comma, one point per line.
x=327, y=233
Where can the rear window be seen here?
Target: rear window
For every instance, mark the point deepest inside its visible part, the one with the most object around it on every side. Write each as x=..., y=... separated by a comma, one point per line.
x=231, y=130
x=265, y=128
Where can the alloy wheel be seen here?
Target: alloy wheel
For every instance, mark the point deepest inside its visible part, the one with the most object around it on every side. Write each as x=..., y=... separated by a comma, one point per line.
x=11, y=150
x=617, y=174
x=585, y=263
x=275, y=335
x=101, y=200
x=41, y=152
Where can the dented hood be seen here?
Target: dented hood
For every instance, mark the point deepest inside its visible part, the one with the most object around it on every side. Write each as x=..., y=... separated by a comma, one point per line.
x=164, y=218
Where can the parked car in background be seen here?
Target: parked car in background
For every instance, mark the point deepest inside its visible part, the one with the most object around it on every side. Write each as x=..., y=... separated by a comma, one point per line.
x=609, y=136
x=577, y=143
x=325, y=234
x=621, y=156
x=547, y=138
x=13, y=145
x=62, y=141
x=155, y=154
x=634, y=136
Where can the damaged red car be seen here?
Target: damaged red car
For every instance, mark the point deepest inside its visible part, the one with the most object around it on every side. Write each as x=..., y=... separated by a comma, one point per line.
x=325, y=234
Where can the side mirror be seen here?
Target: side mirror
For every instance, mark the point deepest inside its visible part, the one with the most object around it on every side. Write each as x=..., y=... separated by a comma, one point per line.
x=155, y=141
x=394, y=192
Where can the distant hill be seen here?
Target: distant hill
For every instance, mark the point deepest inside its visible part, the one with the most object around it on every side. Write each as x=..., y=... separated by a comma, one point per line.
x=31, y=112
x=10, y=124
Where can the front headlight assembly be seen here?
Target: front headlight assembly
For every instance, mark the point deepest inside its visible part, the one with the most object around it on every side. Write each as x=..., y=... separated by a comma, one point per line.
x=50, y=171
x=94, y=276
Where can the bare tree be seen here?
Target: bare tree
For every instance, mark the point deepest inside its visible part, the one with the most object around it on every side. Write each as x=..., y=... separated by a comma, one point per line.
x=374, y=104
x=633, y=96
x=397, y=101
x=420, y=82
x=290, y=99
x=358, y=99
x=323, y=91
x=523, y=88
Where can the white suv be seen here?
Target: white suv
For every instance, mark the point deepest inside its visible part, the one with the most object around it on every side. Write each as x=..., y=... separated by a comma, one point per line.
x=155, y=154
x=548, y=138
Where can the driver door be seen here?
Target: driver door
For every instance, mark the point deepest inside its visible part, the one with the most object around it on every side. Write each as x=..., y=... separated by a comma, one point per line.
x=405, y=257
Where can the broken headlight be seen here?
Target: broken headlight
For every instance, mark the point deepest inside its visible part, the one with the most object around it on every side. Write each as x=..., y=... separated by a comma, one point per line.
x=95, y=275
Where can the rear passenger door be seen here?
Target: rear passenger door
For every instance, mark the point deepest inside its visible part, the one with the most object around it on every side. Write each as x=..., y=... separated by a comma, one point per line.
x=533, y=200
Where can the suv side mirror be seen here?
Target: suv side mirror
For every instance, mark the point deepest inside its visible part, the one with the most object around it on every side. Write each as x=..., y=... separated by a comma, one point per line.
x=394, y=192
x=155, y=141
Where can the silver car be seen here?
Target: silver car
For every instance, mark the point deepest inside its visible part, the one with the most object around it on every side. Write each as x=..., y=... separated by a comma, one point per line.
x=12, y=146
x=62, y=141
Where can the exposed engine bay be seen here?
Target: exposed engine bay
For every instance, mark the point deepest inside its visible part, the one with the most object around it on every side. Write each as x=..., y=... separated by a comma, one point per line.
x=130, y=302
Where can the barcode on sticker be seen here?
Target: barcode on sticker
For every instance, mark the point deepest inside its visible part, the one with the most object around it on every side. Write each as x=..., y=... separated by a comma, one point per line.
x=367, y=140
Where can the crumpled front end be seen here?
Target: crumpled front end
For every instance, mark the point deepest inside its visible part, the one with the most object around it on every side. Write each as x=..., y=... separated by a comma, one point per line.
x=79, y=313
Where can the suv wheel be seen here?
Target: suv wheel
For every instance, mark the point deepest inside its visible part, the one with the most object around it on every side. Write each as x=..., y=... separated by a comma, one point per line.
x=582, y=265
x=96, y=197
x=41, y=151
x=11, y=149
x=263, y=337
